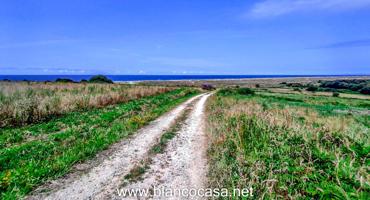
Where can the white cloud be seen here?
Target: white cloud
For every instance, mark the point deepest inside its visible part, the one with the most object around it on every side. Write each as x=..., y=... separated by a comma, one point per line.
x=272, y=8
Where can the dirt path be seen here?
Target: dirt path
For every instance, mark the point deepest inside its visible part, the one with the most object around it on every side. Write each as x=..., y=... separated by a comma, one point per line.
x=183, y=165
x=110, y=166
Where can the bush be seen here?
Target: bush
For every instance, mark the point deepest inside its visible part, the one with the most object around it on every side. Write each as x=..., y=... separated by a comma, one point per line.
x=294, y=85
x=234, y=91
x=312, y=88
x=297, y=89
x=335, y=94
x=328, y=89
x=365, y=90
x=354, y=85
x=208, y=87
x=100, y=79
x=64, y=80
x=245, y=91
x=226, y=91
x=258, y=85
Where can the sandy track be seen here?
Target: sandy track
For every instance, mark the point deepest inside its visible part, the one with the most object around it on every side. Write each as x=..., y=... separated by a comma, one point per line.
x=111, y=165
x=183, y=165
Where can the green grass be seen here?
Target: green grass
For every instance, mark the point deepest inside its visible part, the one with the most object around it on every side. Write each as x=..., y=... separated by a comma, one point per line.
x=136, y=173
x=323, y=103
x=159, y=148
x=31, y=155
x=290, y=146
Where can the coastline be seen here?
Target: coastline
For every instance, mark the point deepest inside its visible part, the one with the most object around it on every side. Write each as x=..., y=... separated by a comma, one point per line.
x=134, y=79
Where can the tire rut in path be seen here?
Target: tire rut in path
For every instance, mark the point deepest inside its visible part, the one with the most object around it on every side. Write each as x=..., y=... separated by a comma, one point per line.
x=109, y=166
x=183, y=165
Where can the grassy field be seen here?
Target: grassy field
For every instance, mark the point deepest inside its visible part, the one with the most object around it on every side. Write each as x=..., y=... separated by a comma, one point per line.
x=33, y=154
x=290, y=145
x=27, y=102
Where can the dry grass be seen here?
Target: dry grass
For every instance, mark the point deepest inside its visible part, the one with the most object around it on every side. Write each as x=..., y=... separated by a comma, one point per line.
x=58, y=144
x=251, y=82
x=22, y=103
x=291, y=118
x=286, y=151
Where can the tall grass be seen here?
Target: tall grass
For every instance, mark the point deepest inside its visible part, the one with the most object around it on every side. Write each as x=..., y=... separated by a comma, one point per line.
x=287, y=151
x=34, y=154
x=23, y=103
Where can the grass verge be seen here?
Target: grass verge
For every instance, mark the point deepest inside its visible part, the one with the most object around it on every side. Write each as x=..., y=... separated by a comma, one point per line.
x=34, y=154
x=289, y=146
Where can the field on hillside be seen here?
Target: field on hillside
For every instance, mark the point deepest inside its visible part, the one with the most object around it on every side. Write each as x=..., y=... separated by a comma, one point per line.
x=289, y=143
x=47, y=128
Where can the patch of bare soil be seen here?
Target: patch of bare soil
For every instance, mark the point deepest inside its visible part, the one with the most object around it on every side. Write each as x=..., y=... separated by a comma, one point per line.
x=183, y=165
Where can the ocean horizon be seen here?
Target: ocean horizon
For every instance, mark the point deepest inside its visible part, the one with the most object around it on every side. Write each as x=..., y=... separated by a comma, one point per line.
x=127, y=78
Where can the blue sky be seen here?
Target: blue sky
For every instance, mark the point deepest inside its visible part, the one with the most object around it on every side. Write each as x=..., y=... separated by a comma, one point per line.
x=185, y=37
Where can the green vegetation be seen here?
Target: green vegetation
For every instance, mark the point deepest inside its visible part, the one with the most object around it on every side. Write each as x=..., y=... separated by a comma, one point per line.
x=240, y=91
x=345, y=86
x=297, y=85
x=24, y=103
x=208, y=87
x=33, y=154
x=356, y=85
x=290, y=146
x=100, y=79
x=64, y=80
x=365, y=90
x=312, y=88
x=136, y=172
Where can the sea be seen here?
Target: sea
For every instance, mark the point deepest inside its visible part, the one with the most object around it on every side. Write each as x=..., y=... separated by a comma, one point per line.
x=132, y=78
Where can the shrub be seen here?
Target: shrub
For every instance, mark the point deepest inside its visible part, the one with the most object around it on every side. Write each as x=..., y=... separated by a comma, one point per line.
x=294, y=85
x=64, y=80
x=233, y=91
x=328, y=89
x=226, y=91
x=100, y=79
x=297, y=89
x=245, y=91
x=208, y=87
x=354, y=85
x=335, y=94
x=312, y=88
x=365, y=90
x=258, y=85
